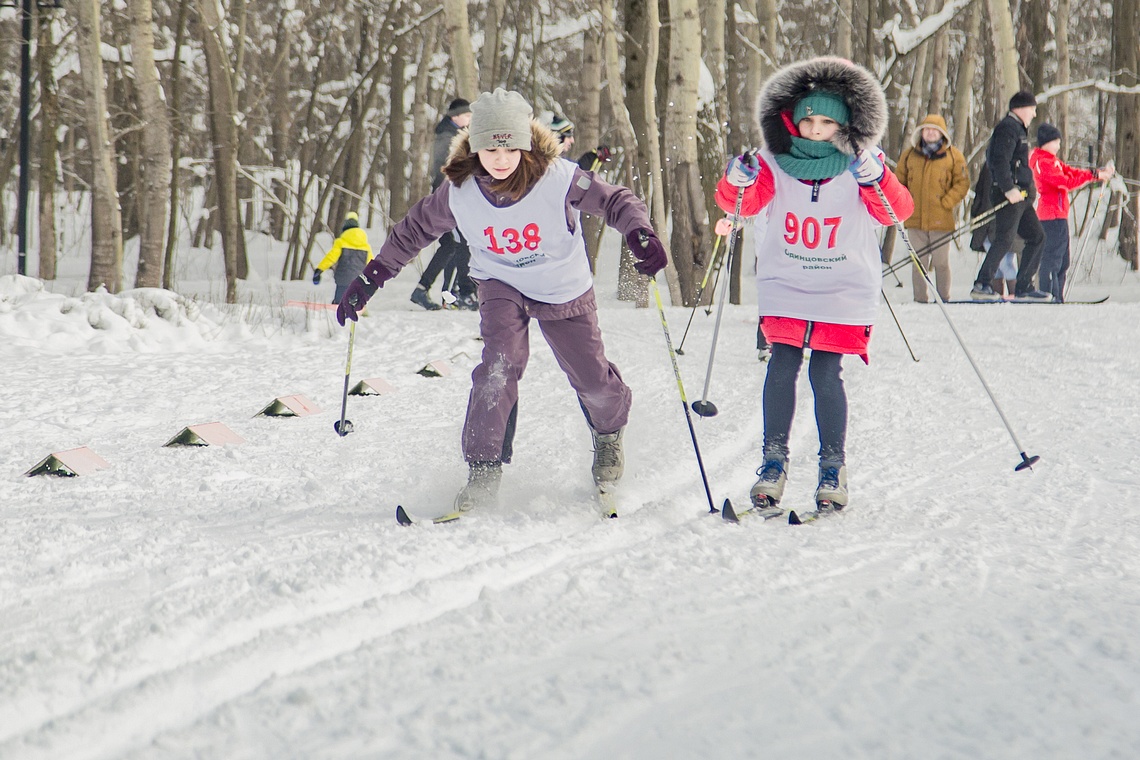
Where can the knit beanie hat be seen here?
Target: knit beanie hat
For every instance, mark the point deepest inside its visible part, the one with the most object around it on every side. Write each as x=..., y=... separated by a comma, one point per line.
x=1047, y=133
x=351, y=219
x=1022, y=99
x=500, y=119
x=458, y=106
x=561, y=127
x=822, y=103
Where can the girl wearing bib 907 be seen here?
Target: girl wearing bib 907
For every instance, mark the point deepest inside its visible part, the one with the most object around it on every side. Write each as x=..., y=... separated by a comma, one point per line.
x=518, y=205
x=818, y=264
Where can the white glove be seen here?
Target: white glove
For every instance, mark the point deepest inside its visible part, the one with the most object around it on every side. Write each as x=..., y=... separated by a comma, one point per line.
x=1014, y=195
x=867, y=167
x=742, y=170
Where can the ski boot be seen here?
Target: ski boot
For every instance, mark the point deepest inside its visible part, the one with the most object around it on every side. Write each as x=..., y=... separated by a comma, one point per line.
x=831, y=493
x=609, y=459
x=421, y=298
x=482, y=486
x=769, y=489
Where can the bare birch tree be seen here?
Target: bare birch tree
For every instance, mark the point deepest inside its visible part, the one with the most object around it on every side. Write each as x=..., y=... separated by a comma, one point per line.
x=689, y=216
x=49, y=146
x=459, y=43
x=106, y=216
x=223, y=132
x=1005, y=48
x=154, y=173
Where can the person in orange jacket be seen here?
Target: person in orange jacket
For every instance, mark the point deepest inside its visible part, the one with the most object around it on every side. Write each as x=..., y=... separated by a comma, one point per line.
x=349, y=255
x=1055, y=180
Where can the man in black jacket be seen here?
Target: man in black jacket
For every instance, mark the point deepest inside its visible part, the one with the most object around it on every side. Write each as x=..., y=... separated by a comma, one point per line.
x=1007, y=159
x=452, y=256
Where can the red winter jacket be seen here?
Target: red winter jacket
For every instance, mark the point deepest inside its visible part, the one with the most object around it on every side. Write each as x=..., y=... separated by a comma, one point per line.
x=1054, y=180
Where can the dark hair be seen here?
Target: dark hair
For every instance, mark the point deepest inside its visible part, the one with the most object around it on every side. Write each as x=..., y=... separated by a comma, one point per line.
x=529, y=171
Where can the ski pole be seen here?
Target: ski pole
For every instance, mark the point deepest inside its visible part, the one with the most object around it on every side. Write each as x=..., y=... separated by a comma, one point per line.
x=343, y=427
x=1026, y=462
x=700, y=293
x=891, y=309
x=980, y=220
x=704, y=407
x=681, y=388
x=1085, y=237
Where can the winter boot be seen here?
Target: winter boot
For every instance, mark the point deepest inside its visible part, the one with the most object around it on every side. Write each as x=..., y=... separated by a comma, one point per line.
x=482, y=486
x=420, y=297
x=609, y=459
x=983, y=292
x=769, y=489
x=832, y=484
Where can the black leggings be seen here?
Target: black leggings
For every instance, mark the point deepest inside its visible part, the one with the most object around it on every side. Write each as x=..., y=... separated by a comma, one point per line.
x=825, y=372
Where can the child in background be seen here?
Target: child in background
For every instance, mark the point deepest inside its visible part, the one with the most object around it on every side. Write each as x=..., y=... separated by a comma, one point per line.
x=518, y=204
x=1055, y=179
x=818, y=264
x=348, y=256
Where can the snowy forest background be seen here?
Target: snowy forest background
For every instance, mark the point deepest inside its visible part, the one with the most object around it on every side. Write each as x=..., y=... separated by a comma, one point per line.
x=185, y=127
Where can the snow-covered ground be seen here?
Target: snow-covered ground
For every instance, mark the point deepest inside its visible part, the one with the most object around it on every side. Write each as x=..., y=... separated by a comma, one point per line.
x=260, y=601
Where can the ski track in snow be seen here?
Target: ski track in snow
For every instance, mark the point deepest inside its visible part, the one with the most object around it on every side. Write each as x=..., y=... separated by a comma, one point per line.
x=259, y=601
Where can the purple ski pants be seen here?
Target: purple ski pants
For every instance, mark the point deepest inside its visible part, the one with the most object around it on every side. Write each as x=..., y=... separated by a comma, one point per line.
x=572, y=332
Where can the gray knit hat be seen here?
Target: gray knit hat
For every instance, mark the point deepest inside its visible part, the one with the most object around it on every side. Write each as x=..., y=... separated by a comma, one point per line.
x=500, y=119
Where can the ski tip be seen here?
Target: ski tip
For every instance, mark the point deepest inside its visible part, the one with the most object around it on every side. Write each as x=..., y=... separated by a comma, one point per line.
x=794, y=519
x=728, y=513
x=402, y=517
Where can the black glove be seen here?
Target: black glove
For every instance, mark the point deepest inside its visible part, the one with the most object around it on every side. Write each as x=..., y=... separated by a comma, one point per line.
x=647, y=249
x=316, y=277
x=360, y=290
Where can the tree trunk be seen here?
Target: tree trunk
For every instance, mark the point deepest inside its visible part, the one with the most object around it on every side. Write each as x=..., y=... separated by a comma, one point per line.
x=629, y=286
x=175, y=143
x=49, y=146
x=154, y=174
x=845, y=31
x=964, y=87
x=1061, y=112
x=223, y=135
x=690, y=219
x=1005, y=48
x=459, y=43
x=106, y=217
x=396, y=176
x=280, y=125
x=1126, y=59
x=588, y=129
x=492, y=30
x=422, y=121
x=939, y=67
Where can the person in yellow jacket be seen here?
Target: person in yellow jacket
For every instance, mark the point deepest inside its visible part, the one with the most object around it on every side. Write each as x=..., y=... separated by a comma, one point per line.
x=349, y=255
x=935, y=173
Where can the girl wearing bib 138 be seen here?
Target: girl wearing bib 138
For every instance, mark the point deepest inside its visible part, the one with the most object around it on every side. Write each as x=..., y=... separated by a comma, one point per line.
x=518, y=205
x=818, y=265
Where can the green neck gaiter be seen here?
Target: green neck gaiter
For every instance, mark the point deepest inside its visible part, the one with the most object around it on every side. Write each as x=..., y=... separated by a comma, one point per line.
x=812, y=160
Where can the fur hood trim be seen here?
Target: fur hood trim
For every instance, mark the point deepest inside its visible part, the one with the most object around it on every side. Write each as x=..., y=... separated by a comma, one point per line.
x=933, y=121
x=858, y=87
x=543, y=144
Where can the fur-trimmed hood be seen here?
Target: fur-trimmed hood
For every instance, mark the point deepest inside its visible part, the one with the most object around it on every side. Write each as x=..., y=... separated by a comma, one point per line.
x=543, y=144
x=858, y=87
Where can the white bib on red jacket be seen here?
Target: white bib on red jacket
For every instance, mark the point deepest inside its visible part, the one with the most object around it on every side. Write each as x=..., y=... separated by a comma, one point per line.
x=818, y=259
x=526, y=245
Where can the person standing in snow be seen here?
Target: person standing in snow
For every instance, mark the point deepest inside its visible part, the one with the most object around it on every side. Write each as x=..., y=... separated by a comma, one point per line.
x=348, y=256
x=1055, y=179
x=1007, y=158
x=934, y=172
x=452, y=255
x=818, y=263
x=519, y=204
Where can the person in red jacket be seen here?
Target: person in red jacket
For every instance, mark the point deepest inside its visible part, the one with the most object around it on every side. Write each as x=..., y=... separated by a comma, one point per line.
x=1055, y=179
x=819, y=275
